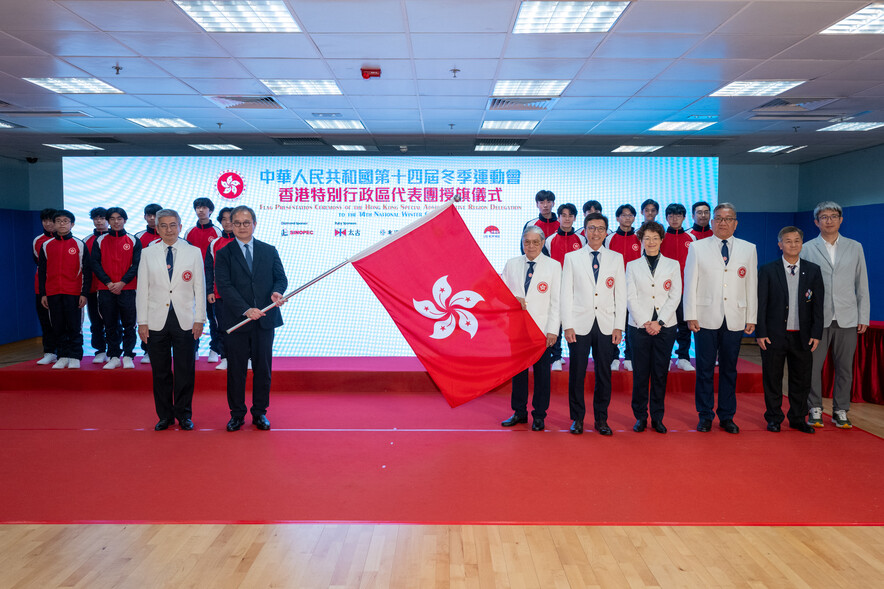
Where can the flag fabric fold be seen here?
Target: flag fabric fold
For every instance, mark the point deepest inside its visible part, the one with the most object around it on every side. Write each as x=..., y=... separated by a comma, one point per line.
x=452, y=307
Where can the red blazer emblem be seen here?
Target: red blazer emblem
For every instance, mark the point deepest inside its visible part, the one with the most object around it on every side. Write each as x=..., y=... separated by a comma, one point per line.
x=742, y=271
x=186, y=276
x=575, y=246
x=609, y=282
x=635, y=247
x=127, y=246
x=667, y=285
x=542, y=287
x=72, y=251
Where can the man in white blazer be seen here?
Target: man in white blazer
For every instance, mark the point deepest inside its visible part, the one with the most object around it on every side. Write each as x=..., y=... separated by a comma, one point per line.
x=170, y=304
x=535, y=280
x=720, y=305
x=846, y=310
x=593, y=317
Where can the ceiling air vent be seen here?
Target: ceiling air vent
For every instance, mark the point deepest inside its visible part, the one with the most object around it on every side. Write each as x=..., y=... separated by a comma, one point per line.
x=521, y=103
x=794, y=104
x=299, y=141
x=246, y=102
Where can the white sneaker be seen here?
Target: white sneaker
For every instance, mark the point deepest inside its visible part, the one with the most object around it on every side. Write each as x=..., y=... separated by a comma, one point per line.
x=222, y=365
x=47, y=359
x=557, y=365
x=145, y=359
x=839, y=418
x=627, y=364
x=816, y=417
x=615, y=365
x=685, y=365
x=74, y=363
x=127, y=362
x=112, y=363
x=62, y=363
x=100, y=358
x=213, y=357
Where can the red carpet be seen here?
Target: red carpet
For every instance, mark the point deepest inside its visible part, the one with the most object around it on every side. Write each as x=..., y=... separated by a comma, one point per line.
x=74, y=456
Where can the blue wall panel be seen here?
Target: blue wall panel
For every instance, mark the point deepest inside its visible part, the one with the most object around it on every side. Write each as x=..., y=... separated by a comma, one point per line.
x=17, y=296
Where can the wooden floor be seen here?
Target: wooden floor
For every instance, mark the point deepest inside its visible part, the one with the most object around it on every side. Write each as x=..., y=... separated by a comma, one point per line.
x=342, y=555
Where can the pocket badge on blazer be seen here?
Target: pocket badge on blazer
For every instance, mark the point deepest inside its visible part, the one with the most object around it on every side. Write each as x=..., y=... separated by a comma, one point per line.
x=542, y=287
x=808, y=295
x=186, y=276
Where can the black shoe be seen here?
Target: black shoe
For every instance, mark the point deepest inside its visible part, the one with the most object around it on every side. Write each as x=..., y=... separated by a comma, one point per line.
x=163, y=424
x=802, y=426
x=261, y=422
x=640, y=425
x=577, y=426
x=729, y=426
x=235, y=423
x=705, y=425
x=515, y=419
x=772, y=426
x=602, y=428
x=658, y=426
x=187, y=424
x=538, y=424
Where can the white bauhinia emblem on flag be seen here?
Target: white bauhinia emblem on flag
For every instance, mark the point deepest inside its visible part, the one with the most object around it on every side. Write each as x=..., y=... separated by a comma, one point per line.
x=230, y=185
x=450, y=310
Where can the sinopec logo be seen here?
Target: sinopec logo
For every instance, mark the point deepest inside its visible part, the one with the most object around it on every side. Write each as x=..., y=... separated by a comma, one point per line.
x=491, y=231
x=230, y=185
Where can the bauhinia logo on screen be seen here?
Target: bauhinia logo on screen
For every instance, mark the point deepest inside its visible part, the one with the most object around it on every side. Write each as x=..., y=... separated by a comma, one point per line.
x=230, y=185
x=449, y=310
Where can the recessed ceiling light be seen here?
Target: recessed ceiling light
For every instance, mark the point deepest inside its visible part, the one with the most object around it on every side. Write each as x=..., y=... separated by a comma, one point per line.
x=757, y=88
x=240, y=16
x=335, y=124
x=7, y=125
x=214, y=146
x=530, y=87
x=349, y=147
x=497, y=147
x=867, y=21
x=680, y=126
x=852, y=127
x=509, y=125
x=302, y=87
x=75, y=85
x=74, y=146
x=568, y=17
x=636, y=148
x=769, y=148
x=795, y=148
x=155, y=123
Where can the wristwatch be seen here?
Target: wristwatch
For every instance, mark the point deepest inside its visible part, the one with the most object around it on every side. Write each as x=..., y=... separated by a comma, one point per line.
x=661, y=323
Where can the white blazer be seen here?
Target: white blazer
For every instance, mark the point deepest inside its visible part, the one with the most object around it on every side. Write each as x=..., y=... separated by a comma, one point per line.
x=713, y=291
x=646, y=293
x=186, y=290
x=542, y=298
x=584, y=300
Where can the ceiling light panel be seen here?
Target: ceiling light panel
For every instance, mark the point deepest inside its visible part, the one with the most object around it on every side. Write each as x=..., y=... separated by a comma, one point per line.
x=568, y=17
x=214, y=146
x=303, y=87
x=530, y=87
x=335, y=124
x=5, y=125
x=769, y=148
x=240, y=16
x=74, y=146
x=349, y=147
x=637, y=148
x=852, y=127
x=509, y=125
x=757, y=87
x=496, y=147
x=680, y=126
x=795, y=148
x=75, y=85
x=867, y=21
x=160, y=123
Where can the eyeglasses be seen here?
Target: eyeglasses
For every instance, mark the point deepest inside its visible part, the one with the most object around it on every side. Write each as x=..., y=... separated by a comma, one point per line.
x=724, y=219
x=168, y=226
x=827, y=218
x=593, y=228
x=242, y=223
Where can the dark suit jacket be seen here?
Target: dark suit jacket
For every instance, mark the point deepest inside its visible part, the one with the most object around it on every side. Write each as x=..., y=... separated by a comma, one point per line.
x=773, y=302
x=241, y=290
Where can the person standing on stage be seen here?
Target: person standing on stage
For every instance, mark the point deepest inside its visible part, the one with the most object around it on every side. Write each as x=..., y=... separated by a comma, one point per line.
x=96, y=323
x=590, y=206
x=790, y=325
x=846, y=310
x=720, y=305
x=212, y=295
x=547, y=220
x=171, y=309
x=650, y=209
x=675, y=247
x=624, y=242
x=701, y=213
x=535, y=280
x=49, y=343
x=249, y=276
x=653, y=292
x=148, y=236
x=201, y=235
x=593, y=317
x=563, y=241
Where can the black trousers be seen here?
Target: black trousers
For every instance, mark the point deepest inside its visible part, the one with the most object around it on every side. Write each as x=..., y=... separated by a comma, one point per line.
x=49, y=342
x=800, y=361
x=172, y=366
x=96, y=324
x=220, y=342
x=519, y=401
x=67, y=324
x=650, y=365
x=213, y=310
x=118, y=312
x=246, y=344
x=724, y=345
x=627, y=345
x=682, y=335
x=602, y=356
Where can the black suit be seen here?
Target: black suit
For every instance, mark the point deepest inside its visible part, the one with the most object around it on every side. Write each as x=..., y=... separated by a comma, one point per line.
x=791, y=346
x=241, y=290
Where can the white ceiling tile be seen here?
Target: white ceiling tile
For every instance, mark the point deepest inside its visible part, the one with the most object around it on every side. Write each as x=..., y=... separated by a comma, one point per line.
x=708, y=69
x=457, y=46
x=462, y=126
x=377, y=86
x=51, y=125
x=284, y=126
x=623, y=69
x=827, y=88
x=794, y=69
x=198, y=67
x=671, y=103
x=834, y=47
x=319, y=103
x=37, y=101
x=461, y=16
x=302, y=69
x=373, y=101
x=174, y=101
x=676, y=17
x=866, y=69
x=645, y=45
x=394, y=127
x=874, y=91
x=13, y=47
x=132, y=15
x=312, y=113
x=125, y=112
x=350, y=16
x=391, y=69
x=569, y=127
x=470, y=69
x=437, y=101
x=41, y=15
x=368, y=46
x=788, y=18
x=289, y=45
x=591, y=102
x=539, y=69
x=576, y=115
x=226, y=86
x=171, y=44
x=388, y=114
x=695, y=88
x=455, y=87
x=604, y=87
x=38, y=67
x=105, y=124
x=742, y=46
x=105, y=100
x=653, y=116
x=568, y=45
x=150, y=85
x=69, y=43
x=132, y=67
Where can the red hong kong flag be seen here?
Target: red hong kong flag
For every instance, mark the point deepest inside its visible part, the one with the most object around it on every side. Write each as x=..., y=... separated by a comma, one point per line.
x=455, y=312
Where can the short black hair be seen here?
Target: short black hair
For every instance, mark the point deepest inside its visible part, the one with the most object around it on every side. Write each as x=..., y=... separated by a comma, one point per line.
x=152, y=209
x=592, y=204
x=649, y=202
x=699, y=203
x=64, y=213
x=225, y=210
x=47, y=214
x=98, y=212
x=628, y=207
x=676, y=209
x=545, y=195
x=594, y=217
x=119, y=211
x=567, y=207
x=204, y=202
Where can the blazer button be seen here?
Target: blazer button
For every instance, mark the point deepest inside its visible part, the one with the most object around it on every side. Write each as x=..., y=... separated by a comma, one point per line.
x=725, y=298
x=653, y=297
x=725, y=269
x=596, y=308
x=653, y=285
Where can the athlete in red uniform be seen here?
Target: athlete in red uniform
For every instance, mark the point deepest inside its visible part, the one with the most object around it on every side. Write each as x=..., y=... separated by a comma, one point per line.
x=217, y=344
x=96, y=323
x=49, y=343
x=201, y=235
x=701, y=213
x=625, y=242
x=675, y=246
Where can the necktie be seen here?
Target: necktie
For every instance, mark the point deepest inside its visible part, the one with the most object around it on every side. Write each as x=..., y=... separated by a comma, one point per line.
x=169, y=260
x=528, y=276
x=248, y=256
x=724, y=253
x=792, y=268
x=595, y=266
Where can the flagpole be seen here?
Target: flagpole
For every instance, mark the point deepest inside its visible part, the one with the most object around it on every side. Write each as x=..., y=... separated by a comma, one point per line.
x=330, y=271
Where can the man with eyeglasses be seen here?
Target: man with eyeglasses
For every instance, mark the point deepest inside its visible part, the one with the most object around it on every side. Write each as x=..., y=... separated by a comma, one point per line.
x=701, y=213
x=720, y=305
x=846, y=310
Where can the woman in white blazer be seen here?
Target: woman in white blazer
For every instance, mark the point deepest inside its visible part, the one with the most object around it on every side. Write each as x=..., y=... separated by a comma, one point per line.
x=653, y=293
